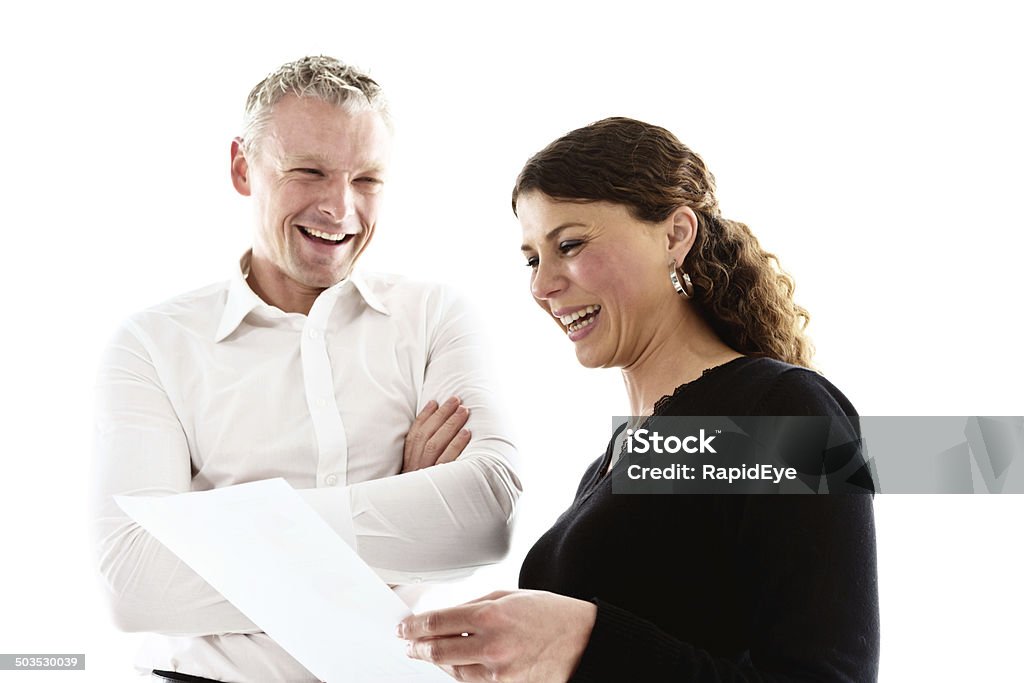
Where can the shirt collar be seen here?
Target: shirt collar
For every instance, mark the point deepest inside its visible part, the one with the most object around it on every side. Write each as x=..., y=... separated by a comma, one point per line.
x=241, y=300
x=365, y=290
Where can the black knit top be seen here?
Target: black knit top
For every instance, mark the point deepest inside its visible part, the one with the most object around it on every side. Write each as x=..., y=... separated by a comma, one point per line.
x=721, y=587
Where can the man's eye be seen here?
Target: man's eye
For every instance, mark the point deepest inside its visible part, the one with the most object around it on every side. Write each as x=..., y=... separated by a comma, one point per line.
x=369, y=184
x=309, y=171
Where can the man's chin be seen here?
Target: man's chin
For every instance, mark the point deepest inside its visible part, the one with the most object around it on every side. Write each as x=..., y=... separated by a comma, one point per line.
x=321, y=276
x=324, y=281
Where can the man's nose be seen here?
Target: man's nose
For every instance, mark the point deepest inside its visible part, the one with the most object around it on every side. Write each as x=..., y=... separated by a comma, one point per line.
x=338, y=201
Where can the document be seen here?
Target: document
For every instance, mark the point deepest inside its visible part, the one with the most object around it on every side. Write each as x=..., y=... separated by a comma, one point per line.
x=282, y=566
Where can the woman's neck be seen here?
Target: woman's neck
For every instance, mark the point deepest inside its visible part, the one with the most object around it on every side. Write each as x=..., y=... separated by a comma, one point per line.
x=676, y=355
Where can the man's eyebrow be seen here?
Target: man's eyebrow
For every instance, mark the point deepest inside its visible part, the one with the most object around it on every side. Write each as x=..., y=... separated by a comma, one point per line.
x=320, y=160
x=554, y=233
x=374, y=168
x=299, y=159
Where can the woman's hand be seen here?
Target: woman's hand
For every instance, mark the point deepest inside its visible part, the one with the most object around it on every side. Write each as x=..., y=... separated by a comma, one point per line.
x=520, y=636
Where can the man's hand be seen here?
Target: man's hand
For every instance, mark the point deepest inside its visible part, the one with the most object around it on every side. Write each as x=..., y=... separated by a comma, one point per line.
x=437, y=436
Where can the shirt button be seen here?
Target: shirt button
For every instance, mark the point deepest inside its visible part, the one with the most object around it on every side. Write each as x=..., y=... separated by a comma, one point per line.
x=331, y=479
x=313, y=334
x=321, y=403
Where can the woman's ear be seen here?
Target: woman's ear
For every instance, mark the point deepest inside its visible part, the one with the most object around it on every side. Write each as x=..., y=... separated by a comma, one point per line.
x=682, y=231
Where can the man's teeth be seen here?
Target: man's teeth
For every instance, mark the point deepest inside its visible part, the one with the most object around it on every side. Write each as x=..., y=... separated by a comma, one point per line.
x=325, y=235
x=579, y=319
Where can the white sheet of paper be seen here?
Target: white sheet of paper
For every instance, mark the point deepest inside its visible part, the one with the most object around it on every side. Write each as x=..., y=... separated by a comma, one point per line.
x=282, y=566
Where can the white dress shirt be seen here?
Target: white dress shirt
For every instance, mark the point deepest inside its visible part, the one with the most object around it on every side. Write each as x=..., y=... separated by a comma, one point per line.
x=215, y=388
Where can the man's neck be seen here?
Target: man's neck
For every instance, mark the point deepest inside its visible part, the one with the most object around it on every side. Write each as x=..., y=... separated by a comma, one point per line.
x=277, y=289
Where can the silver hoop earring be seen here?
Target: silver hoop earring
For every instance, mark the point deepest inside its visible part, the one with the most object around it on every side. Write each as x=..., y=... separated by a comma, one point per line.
x=684, y=286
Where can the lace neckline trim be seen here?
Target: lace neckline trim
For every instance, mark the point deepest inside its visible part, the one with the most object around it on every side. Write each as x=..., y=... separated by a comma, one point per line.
x=660, y=404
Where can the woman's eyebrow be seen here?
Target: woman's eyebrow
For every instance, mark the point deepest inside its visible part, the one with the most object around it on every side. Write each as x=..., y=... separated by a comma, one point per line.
x=554, y=232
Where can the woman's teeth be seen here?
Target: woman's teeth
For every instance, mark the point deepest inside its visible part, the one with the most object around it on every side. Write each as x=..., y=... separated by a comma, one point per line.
x=579, y=325
x=579, y=319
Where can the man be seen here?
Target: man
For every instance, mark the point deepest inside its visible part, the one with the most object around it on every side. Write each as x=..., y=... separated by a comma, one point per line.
x=300, y=367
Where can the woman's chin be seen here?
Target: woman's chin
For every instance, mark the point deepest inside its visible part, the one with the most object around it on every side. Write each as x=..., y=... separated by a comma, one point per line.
x=588, y=357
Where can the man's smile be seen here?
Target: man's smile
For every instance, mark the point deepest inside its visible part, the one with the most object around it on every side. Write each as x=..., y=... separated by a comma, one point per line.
x=320, y=237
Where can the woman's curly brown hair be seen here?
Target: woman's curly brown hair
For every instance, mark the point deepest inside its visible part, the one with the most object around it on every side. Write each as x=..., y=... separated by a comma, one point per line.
x=739, y=288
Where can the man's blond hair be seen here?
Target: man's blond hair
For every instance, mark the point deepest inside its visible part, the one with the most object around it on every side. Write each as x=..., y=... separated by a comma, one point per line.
x=324, y=78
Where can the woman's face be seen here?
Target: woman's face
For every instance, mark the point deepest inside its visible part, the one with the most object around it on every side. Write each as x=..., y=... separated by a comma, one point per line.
x=601, y=274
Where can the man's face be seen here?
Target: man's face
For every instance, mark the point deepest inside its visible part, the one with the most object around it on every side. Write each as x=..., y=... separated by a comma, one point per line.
x=316, y=177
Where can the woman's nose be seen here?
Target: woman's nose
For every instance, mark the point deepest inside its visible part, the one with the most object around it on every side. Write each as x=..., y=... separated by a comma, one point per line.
x=547, y=281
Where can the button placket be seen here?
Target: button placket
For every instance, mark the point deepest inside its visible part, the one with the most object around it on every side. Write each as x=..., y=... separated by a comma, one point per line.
x=318, y=378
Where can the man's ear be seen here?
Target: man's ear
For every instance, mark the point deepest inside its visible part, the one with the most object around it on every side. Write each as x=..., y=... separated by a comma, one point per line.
x=239, y=168
x=682, y=231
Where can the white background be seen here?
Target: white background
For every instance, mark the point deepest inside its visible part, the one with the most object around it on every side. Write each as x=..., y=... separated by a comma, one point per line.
x=875, y=148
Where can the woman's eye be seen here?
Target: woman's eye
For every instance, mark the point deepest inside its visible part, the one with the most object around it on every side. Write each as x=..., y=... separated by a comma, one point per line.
x=568, y=245
x=532, y=262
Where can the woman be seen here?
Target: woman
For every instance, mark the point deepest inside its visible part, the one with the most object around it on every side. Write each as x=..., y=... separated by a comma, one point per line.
x=632, y=259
